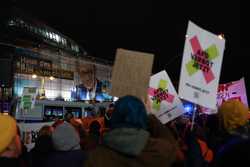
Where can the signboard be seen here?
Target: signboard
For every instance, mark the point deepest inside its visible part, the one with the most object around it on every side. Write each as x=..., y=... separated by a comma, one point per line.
x=35, y=113
x=201, y=65
x=164, y=100
x=28, y=98
x=30, y=65
x=131, y=73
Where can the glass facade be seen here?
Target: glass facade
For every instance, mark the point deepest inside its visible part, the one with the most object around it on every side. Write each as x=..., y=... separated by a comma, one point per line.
x=44, y=32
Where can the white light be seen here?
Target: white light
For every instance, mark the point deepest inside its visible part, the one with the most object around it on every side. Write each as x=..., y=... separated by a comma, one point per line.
x=51, y=78
x=34, y=76
x=115, y=98
x=57, y=38
x=221, y=36
x=186, y=36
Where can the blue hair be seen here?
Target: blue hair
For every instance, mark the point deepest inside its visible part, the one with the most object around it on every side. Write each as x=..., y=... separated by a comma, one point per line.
x=130, y=112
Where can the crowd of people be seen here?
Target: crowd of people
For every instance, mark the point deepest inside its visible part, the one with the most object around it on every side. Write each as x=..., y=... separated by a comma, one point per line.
x=135, y=138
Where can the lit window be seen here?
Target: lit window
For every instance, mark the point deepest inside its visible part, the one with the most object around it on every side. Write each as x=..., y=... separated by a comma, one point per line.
x=25, y=26
x=35, y=30
x=57, y=38
x=50, y=35
x=47, y=34
x=29, y=27
x=40, y=31
x=11, y=23
x=76, y=48
x=44, y=33
x=54, y=37
x=32, y=28
x=64, y=42
x=20, y=22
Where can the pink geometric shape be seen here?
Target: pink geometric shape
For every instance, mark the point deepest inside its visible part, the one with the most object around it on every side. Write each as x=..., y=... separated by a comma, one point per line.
x=151, y=91
x=209, y=76
x=195, y=44
x=169, y=97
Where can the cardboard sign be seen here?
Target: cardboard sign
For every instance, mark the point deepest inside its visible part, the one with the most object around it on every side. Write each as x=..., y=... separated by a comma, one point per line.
x=201, y=65
x=164, y=100
x=131, y=73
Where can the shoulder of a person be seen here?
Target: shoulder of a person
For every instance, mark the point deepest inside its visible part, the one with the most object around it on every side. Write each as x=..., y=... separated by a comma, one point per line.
x=161, y=144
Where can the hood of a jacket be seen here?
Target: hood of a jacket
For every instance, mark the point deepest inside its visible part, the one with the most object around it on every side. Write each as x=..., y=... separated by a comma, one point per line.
x=129, y=141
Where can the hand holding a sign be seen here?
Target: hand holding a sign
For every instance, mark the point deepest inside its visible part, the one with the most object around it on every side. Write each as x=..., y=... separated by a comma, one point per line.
x=148, y=105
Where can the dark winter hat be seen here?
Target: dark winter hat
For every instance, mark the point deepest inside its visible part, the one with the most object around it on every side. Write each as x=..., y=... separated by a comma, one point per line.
x=129, y=111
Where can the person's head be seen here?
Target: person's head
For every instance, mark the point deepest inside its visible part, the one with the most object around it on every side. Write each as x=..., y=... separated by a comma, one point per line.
x=68, y=116
x=10, y=143
x=57, y=122
x=213, y=123
x=45, y=130
x=129, y=111
x=233, y=114
x=101, y=111
x=94, y=128
x=111, y=106
x=87, y=75
x=65, y=138
x=78, y=125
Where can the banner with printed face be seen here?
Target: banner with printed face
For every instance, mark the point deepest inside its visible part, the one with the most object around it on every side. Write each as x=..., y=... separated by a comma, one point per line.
x=201, y=65
x=165, y=103
x=29, y=132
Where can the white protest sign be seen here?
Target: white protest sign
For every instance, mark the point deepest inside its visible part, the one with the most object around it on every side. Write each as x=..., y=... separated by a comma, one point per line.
x=131, y=73
x=231, y=90
x=29, y=132
x=201, y=65
x=165, y=103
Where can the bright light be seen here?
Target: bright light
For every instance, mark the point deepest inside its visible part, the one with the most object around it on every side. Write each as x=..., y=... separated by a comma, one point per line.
x=188, y=107
x=221, y=36
x=57, y=38
x=186, y=36
x=115, y=98
x=51, y=78
x=34, y=76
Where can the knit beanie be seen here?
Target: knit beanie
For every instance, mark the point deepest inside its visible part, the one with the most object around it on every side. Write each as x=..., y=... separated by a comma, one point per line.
x=129, y=112
x=65, y=138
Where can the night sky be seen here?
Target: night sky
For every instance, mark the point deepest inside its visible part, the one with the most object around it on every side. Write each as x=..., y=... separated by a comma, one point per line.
x=145, y=25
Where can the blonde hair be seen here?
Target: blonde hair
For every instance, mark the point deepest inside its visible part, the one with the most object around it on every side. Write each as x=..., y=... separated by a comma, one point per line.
x=233, y=114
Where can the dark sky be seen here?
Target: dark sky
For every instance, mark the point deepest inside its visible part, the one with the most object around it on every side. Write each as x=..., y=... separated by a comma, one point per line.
x=101, y=26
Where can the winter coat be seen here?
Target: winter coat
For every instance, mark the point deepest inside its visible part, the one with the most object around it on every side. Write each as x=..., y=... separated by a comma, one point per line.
x=131, y=147
x=74, y=158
